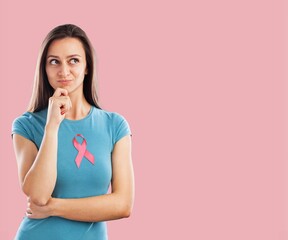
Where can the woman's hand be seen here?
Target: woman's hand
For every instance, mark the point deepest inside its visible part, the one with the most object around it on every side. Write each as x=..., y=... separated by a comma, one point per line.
x=39, y=212
x=59, y=105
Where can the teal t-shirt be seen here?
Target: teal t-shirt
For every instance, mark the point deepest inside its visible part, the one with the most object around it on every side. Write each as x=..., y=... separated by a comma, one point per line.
x=83, y=168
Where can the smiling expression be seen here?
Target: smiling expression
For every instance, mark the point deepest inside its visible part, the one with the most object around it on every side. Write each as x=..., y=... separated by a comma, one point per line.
x=66, y=64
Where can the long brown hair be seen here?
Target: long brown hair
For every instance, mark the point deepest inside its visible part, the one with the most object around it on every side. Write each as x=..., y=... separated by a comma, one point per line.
x=42, y=90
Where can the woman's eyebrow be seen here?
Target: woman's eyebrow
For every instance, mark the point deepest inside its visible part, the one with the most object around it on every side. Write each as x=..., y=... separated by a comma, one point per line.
x=73, y=55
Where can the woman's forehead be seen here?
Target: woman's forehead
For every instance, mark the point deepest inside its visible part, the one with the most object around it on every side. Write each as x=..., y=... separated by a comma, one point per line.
x=66, y=47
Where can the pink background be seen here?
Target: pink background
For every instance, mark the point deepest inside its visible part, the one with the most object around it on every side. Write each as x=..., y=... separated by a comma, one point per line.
x=203, y=85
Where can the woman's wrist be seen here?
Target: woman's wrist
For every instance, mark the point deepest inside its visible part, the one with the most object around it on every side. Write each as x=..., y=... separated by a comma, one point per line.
x=55, y=206
x=51, y=128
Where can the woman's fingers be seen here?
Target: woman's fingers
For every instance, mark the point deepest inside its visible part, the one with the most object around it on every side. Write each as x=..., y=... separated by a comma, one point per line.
x=28, y=211
x=36, y=212
x=60, y=92
x=61, y=102
x=64, y=103
x=59, y=105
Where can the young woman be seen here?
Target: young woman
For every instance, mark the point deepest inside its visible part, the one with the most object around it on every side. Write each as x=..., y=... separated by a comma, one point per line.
x=68, y=149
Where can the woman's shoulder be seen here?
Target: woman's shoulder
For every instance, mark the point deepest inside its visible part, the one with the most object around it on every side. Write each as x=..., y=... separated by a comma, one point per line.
x=32, y=116
x=118, y=123
x=30, y=125
x=110, y=115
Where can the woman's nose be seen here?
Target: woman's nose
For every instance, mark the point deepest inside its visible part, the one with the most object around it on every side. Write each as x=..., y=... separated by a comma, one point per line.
x=64, y=70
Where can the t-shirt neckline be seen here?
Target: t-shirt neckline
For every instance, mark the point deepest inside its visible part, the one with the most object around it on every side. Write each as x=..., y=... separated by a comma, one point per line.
x=82, y=119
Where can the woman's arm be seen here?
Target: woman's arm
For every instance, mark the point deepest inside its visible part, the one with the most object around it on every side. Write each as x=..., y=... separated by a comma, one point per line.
x=38, y=169
x=117, y=204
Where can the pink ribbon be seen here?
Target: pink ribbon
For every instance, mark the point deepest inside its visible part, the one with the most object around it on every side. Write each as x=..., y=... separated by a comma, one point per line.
x=82, y=152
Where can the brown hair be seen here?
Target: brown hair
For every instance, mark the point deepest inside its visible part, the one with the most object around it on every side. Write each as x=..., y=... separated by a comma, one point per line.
x=42, y=90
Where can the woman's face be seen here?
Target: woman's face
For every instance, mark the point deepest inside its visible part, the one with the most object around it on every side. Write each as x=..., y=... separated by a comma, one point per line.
x=66, y=64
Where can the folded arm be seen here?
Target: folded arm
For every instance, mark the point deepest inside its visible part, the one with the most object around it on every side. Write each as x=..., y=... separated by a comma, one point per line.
x=117, y=204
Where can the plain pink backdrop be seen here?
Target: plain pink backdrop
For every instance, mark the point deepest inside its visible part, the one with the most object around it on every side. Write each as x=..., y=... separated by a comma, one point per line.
x=203, y=85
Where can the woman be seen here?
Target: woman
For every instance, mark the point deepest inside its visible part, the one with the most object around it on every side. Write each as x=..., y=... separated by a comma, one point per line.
x=68, y=149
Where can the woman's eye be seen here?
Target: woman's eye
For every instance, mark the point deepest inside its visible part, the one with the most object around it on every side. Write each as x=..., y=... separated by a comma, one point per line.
x=53, y=61
x=74, y=60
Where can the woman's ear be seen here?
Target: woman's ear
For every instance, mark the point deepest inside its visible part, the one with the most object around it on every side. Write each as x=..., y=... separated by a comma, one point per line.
x=86, y=71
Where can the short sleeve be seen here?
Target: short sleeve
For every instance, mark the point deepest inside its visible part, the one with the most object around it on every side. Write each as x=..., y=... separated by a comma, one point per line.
x=21, y=126
x=121, y=128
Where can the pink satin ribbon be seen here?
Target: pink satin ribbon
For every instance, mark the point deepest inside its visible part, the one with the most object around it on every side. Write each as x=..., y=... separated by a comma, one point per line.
x=82, y=152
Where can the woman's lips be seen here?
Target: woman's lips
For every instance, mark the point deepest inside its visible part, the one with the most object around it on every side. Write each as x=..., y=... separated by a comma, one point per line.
x=64, y=81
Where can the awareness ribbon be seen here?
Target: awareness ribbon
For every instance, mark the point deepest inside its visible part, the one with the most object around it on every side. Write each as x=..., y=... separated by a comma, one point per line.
x=82, y=152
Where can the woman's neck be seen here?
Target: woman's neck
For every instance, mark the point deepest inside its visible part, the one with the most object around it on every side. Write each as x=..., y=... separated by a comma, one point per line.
x=80, y=107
